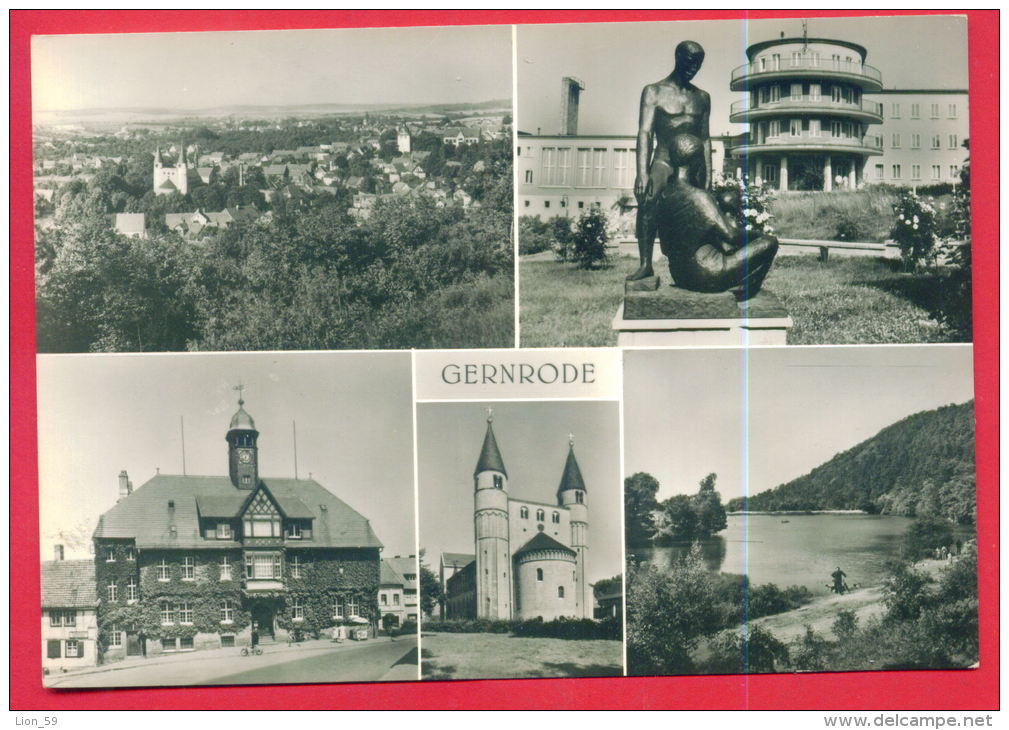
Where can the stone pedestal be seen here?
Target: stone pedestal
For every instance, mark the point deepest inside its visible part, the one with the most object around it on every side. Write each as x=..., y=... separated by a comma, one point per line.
x=672, y=317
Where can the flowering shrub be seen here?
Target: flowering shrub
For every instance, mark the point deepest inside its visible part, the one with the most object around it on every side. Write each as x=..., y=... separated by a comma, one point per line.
x=914, y=229
x=753, y=211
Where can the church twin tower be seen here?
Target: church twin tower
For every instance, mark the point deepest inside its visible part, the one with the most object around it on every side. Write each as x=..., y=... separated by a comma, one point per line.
x=530, y=556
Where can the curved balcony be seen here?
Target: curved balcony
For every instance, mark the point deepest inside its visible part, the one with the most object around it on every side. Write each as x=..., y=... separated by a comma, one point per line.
x=805, y=143
x=867, y=77
x=869, y=112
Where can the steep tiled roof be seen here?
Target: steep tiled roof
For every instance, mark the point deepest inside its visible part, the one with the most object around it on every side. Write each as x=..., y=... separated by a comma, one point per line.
x=388, y=575
x=457, y=559
x=405, y=567
x=68, y=584
x=572, y=476
x=490, y=455
x=543, y=541
x=145, y=515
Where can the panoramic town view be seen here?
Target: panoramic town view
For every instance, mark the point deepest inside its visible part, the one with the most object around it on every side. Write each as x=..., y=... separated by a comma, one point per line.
x=254, y=225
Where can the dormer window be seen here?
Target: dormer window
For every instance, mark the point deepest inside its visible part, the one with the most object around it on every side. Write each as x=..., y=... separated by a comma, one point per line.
x=224, y=531
x=294, y=530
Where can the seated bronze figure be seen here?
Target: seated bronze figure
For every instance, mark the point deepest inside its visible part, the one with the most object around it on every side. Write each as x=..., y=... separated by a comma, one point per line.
x=708, y=251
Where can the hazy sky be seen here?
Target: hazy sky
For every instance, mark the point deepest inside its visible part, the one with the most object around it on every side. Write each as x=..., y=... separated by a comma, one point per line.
x=689, y=412
x=615, y=61
x=99, y=414
x=533, y=438
x=197, y=70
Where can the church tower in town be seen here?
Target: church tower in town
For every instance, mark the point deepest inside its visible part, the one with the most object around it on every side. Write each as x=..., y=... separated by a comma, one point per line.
x=243, y=453
x=571, y=494
x=171, y=178
x=493, y=555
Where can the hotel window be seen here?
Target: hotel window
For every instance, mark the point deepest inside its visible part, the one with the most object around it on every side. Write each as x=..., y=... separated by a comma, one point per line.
x=297, y=610
x=895, y=170
x=563, y=166
x=112, y=590
x=935, y=142
x=895, y=111
x=622, y=168
x=598, y=167
x=814, y=58
x=263, y=566
x=548, y=167
x=952, y=141
x=835, y=129
x=835, y=60
x=774, y=128
x=560, y=591
x=295, y=564
x=796, y=92
x=115, y=636
x=131, y=591
x=915, y=111
x=131, y=554
x=775, y=93
x=835, y=94
x=935, y=111
x=916, y=172
x=935, y=172
x=879, y=172
x=337, y=607
x=185, y=611
x=765, y=94
x=351, y=605
x=294, y=531
x=188, y=568
x=529, y=176
x=763, y=63
x=775, y=61
x=795, y=127
x=952, y=111
x=770, y=174
x=167, y=613
x=110, y=555
x=796, y=59
x=895, y=141
x=954, y=170
x=814, y=127
x=223, y=530
x=814, y=92
x=62, y=618
x=915, y=141
x=539, y=574
x=163, y=570
x=540, y=515
x=73, y=650
x=383, y=599
x=225, y=567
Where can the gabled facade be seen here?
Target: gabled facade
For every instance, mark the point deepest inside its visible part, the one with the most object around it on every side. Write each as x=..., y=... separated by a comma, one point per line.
x=190, y=562
x=69, y=614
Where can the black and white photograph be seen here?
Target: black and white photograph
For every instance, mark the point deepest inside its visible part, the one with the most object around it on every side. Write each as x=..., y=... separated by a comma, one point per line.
x=520, y=539
x=273, y=190
x=800, y=510
x=732, y=183
x=227, y=519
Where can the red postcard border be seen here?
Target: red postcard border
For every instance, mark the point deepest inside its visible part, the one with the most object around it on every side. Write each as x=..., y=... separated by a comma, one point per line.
x=927, y=690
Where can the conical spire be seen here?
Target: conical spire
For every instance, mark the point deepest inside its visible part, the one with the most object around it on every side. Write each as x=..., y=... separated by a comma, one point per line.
x=182, y=154
x=157, y=155
x=572, y=476
x=490, y=456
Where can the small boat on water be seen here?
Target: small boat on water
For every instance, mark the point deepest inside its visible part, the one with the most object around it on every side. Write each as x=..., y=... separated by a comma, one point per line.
x=784, y=521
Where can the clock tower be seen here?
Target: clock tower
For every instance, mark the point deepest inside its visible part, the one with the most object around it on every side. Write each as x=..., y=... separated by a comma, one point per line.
x=243, y=454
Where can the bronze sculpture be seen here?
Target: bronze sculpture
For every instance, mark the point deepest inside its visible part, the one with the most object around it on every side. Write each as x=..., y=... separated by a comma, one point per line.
x=707, y=250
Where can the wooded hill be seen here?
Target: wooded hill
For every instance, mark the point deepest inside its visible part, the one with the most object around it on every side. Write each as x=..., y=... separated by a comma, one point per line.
x=922, y=465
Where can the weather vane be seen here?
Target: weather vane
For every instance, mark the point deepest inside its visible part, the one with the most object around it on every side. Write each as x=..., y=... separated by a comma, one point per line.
x=490, y=415
x=239, y=388
x=571, y=439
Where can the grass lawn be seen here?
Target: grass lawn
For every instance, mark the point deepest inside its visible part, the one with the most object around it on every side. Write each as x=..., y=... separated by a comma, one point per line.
x=500, y=656
x=850, y=300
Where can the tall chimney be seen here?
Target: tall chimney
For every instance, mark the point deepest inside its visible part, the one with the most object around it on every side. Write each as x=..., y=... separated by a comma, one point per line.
x=57, y=552
x=571, y=89
x=125, y=485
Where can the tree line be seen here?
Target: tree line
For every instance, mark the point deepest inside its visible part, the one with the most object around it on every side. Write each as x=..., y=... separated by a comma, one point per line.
x=680, y=518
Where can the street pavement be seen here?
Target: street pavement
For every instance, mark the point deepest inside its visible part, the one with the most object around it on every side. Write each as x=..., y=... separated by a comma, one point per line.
x=381, y=659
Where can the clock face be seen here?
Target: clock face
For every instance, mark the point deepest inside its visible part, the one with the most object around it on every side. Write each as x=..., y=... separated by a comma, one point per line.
x=244, y=457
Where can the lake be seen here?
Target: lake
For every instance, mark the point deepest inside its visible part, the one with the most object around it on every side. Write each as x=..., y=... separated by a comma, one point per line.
x=798, y=550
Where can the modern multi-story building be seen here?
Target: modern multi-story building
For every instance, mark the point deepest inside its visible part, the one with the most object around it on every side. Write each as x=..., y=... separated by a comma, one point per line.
x=187, y=562
x=530, y=557
x=808, y=116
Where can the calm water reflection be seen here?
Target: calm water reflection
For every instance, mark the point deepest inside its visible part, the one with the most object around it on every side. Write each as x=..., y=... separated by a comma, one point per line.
x=797, y=549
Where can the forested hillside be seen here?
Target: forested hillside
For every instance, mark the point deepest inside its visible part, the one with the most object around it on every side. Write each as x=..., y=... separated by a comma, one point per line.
x=922, y=465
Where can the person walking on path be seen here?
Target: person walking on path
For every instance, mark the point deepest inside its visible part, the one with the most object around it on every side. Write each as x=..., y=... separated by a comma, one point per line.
x=839, y=576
